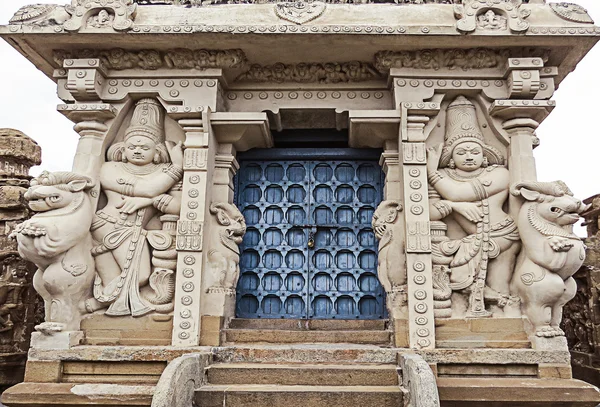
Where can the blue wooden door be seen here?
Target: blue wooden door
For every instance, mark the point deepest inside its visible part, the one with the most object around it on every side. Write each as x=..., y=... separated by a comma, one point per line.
x=309, y=251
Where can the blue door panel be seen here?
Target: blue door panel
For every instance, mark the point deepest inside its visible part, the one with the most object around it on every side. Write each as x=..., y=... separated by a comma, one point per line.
x=309, y=251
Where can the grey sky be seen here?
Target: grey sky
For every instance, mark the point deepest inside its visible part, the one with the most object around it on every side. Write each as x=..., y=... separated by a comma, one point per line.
x=570, y=143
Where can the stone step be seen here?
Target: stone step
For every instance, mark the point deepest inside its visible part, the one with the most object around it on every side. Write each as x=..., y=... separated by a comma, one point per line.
x=303, y=374
x=306, y=396
x=516, y=392
x=71, y=395
x=309, y=324
x=305, y=353
x=295, y=336
x=483, y=343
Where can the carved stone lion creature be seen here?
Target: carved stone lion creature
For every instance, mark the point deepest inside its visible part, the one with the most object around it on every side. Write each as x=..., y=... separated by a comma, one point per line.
x=224, y=253
x=58, y=241
x=391, y=272
x=551, y=253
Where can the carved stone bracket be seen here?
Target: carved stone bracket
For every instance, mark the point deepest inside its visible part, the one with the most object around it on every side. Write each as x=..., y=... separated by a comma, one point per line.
x=524, y=77
x=115, y=14
x=491, y=16
x=85, y=78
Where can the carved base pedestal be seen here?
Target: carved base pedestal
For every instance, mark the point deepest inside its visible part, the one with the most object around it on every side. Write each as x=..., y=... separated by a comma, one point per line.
x=58, y=340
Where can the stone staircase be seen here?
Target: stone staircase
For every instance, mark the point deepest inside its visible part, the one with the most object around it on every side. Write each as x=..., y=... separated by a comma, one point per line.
x=301, y=379
x=310, y=385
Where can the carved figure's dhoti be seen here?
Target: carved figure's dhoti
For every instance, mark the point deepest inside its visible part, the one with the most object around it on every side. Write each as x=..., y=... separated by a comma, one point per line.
x=125, y=297
x=468, y=253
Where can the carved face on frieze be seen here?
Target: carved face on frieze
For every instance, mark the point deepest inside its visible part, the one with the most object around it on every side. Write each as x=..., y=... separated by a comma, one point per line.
x=468, y=156
x=140, y=150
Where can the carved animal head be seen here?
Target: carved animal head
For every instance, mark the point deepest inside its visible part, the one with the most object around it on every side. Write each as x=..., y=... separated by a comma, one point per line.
x=555, y=202
x=229, y=215
x=56, y=190
x=386, y=213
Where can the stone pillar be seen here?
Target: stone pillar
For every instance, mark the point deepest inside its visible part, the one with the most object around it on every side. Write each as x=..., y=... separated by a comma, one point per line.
x=581, y=317
x=419, y=272
x=521, y=114
x=84, y=82
x=191, y=233
x=20, y=307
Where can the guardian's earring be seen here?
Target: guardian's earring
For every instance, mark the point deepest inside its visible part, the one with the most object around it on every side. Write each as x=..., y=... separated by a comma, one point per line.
x=485, y=162
x=452, y=164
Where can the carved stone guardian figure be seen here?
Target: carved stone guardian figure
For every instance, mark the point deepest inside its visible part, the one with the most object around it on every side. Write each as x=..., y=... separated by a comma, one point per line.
x=551, y=254
x=391, y=263
x=141, y=181
x=224, y=253
x=472, y=186
x=57, y=240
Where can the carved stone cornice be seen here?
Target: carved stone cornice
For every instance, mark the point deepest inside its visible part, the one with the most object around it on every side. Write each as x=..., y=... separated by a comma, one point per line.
x=216, y=2
x=464, y=59
x=332, y=72
x=148, y=59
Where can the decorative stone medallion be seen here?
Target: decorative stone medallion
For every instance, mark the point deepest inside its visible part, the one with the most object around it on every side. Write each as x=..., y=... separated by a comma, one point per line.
x=300, y=12
x=571, y=12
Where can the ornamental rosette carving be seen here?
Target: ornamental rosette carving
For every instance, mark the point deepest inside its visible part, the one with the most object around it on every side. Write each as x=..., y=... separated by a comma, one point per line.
x=311, y=73
x=465, y=59
x=572, y=12
x=119, y=59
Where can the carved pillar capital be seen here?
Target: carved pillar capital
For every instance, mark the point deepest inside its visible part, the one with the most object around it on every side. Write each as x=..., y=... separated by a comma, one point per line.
x=91, y=124
x=520, y=119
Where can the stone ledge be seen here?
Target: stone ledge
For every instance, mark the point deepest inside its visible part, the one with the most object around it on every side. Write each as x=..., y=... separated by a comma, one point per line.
x=68, y=395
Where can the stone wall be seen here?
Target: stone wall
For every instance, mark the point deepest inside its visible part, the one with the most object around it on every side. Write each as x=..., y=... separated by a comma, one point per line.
x=581, y=321
x=20, y=308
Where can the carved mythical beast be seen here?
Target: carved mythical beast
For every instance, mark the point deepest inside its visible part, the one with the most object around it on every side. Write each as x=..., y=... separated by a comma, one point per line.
x=58, y=241
x=391, y=271
x=551, y=253
x=224, y=253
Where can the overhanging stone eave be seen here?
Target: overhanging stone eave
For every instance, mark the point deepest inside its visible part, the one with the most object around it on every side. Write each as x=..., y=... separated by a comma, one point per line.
x=268, y=49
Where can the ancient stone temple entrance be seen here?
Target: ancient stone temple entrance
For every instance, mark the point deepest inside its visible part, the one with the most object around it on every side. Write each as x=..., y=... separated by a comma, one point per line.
x=309, y=251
